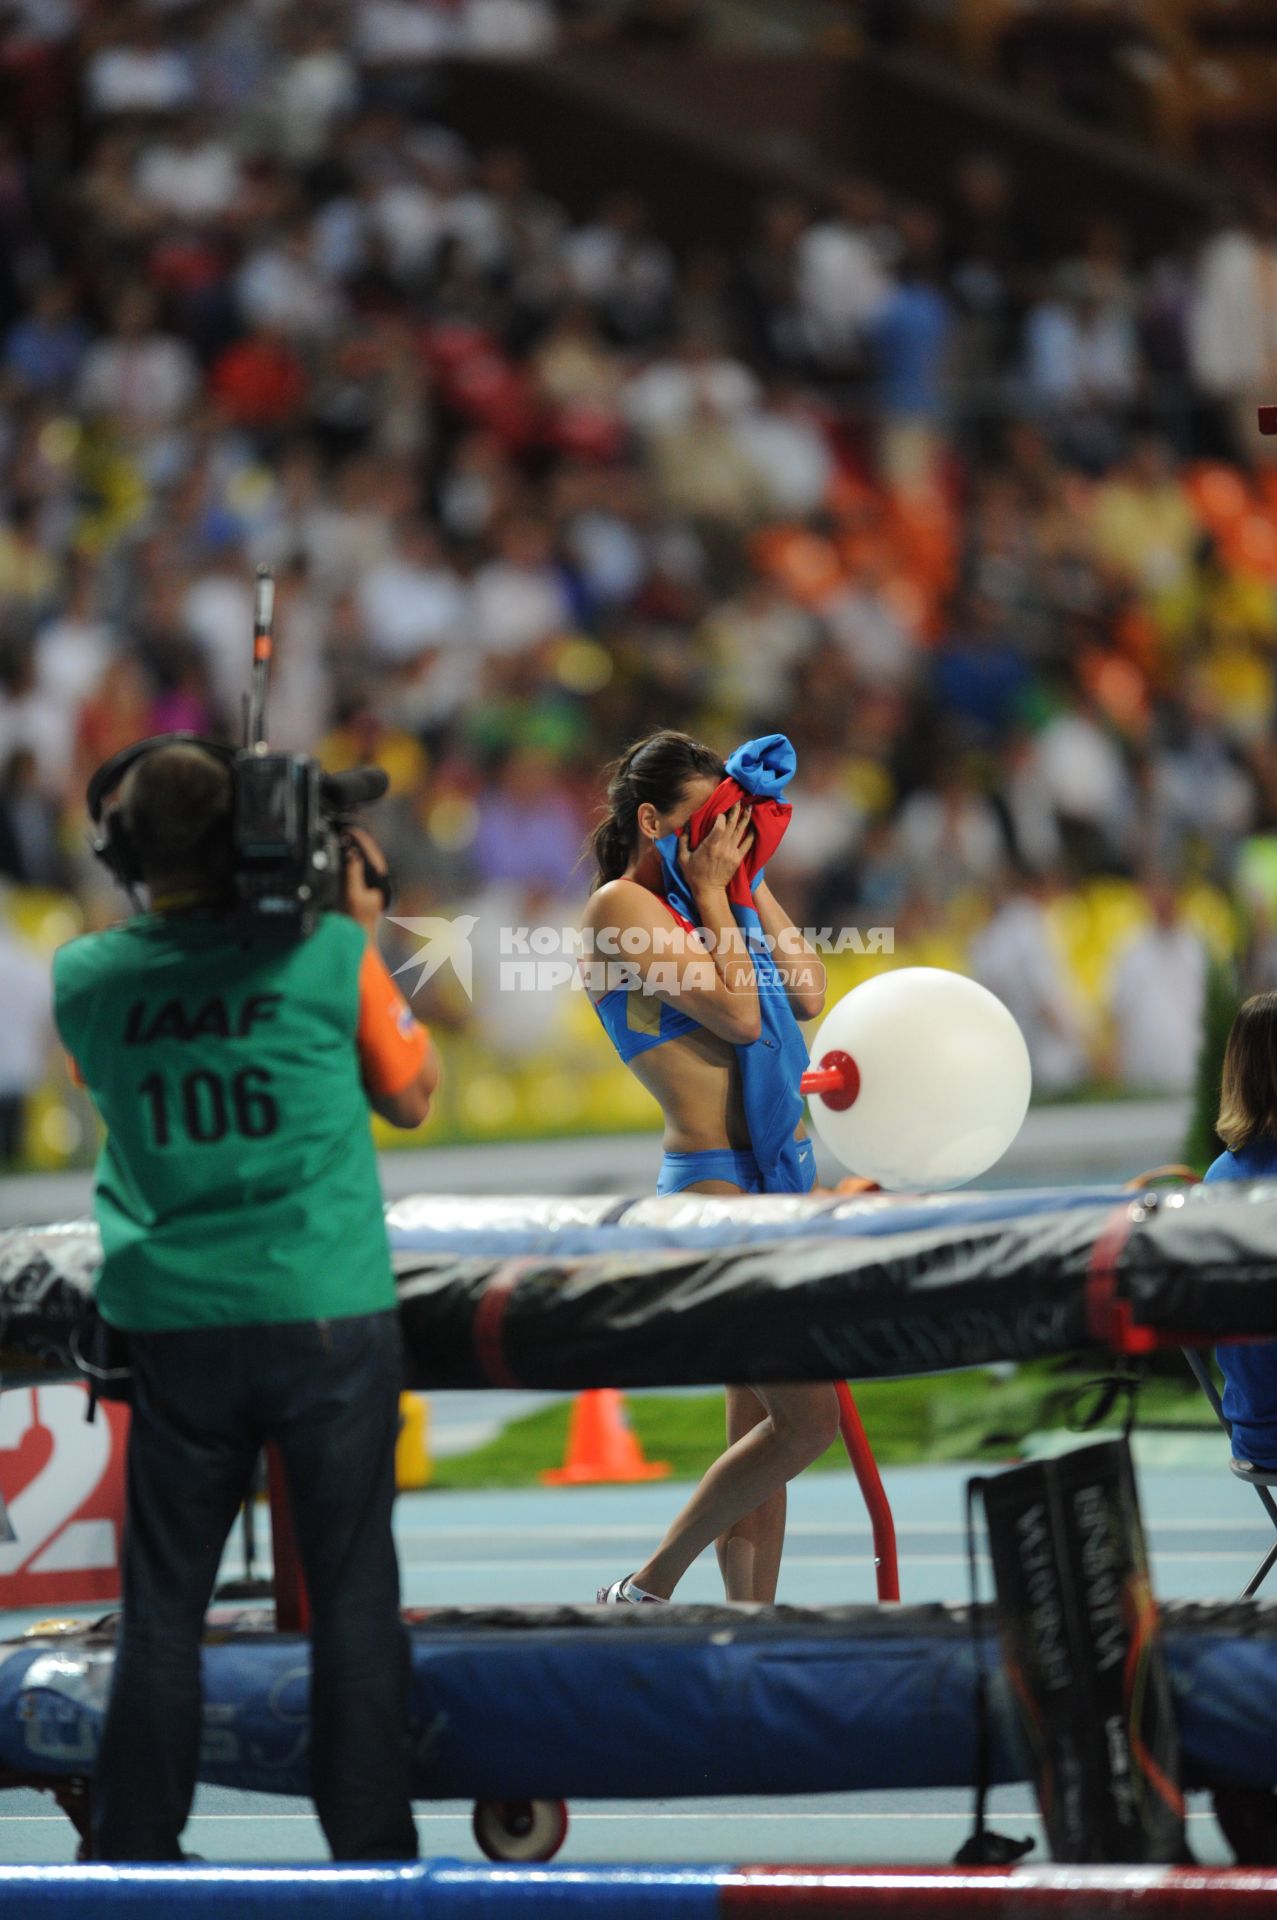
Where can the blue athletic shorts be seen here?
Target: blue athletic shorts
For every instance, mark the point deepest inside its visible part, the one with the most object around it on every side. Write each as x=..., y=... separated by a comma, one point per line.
x=681, y=1170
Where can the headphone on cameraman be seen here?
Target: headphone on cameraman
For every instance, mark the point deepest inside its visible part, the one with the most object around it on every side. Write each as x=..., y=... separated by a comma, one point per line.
x=112, y=843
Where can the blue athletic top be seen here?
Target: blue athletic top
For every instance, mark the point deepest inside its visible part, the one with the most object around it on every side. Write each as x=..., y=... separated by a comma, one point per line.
x=635, y=1021
x=1250, y=1373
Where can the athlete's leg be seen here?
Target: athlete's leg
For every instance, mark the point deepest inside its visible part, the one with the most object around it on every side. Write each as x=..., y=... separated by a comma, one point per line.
x=801, y=1422
x=774, y=1433
x=749, y=1551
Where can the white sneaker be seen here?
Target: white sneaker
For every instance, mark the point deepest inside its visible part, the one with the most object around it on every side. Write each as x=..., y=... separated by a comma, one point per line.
x=623, y=1593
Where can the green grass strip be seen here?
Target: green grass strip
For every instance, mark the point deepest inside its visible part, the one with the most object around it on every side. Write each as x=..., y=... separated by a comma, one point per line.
x=972, y=1416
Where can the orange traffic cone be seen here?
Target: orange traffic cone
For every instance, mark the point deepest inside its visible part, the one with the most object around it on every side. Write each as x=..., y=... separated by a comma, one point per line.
x=602, y=1445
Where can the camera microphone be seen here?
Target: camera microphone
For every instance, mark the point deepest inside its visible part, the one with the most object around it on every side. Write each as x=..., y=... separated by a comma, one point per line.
x=263, y=604
x=345, y=791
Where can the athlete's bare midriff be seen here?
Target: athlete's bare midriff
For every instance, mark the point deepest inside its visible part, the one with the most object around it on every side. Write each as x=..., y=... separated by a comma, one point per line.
x=693, y=1076
x=696, y=1081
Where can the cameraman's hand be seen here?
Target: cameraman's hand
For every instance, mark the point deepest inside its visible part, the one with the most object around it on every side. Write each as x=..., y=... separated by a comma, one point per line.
x=359, y=900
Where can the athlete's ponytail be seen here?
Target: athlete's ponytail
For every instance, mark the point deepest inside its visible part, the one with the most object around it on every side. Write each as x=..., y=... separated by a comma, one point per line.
x=654, y=771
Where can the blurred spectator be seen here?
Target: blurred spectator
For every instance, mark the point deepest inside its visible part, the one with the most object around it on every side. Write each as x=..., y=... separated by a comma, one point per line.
x=625, y=273
x=872, y=630
x=755, y=641
x=43, y=351
x=606, y=536
x=1222, y=619
x=300, y=670
x=281, y=288
x=191, y=174
x=260, y=381
x=988, y=254
x=513, y=29
x=1156, y=999
x=703, y=470
x=35, y=722
x=842, y=281
x=949, y=834
x=913, y=338
x=529, y=831
x=315, y=89
x=361, y=738
x=213, y=608
x=1143, y=523
x=393, y=33
x=106, y=191
x=344, y=529
x=699, y=376
x=115, y=714
x=1199, y=790
x=1233, y=319
x=138, y=70
x=518, y=596
x=882, y=880
x=767, y=296
x=26, y=1034
x=530, y=1020
x=28, y=570
x=1083, y=779
x=1015, y=956
x=142, y=378
x=412, y=602
x=814, y=865
x=1006, y=556
x=1082, y=364
x=984, y=222
x=784, y=441
x=1027, y=810
x=29, y=823
x=981, y=675
x=573, y=365
x=72, y=648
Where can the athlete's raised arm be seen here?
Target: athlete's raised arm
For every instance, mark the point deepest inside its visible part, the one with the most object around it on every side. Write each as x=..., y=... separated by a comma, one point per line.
x=800, y=967
x=632, y=927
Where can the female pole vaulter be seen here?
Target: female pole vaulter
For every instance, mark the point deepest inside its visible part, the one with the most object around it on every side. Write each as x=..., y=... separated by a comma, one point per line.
x=708, y=1022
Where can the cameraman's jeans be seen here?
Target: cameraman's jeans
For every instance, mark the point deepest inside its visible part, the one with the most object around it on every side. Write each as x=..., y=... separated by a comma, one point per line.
x=205, y=1402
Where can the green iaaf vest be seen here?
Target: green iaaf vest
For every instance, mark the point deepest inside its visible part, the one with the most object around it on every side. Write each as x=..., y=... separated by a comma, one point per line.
x=238, y=1183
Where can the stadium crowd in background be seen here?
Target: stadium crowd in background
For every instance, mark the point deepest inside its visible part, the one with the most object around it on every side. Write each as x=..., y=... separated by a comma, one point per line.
x=983, y=526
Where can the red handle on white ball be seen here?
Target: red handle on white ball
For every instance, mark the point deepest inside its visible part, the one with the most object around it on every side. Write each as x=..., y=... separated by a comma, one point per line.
x=836, y=1080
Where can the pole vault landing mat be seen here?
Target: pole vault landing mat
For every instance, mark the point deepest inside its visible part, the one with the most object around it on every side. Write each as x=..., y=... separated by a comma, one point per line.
x=626, y=1704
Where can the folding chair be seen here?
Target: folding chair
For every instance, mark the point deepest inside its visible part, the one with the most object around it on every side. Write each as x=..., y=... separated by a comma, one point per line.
x=1262, y=1479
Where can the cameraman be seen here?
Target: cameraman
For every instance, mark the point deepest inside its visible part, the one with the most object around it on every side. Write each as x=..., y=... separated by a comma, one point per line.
x=244, y=1255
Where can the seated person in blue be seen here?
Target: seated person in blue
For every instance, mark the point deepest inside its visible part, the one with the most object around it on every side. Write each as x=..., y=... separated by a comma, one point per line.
x=1248, y=1126
x=708, y=1027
